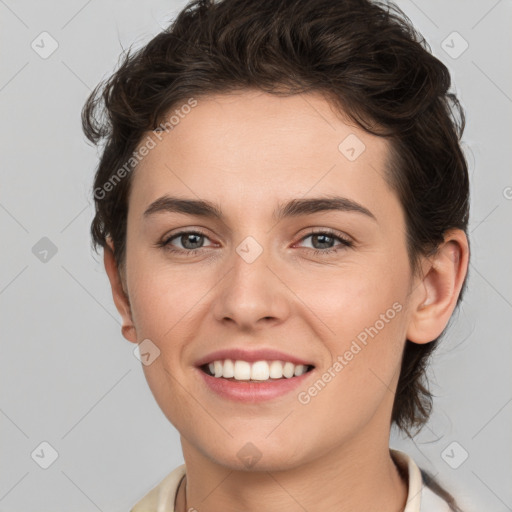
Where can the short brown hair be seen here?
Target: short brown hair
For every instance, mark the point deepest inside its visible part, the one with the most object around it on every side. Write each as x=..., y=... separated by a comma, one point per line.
x=365, y=57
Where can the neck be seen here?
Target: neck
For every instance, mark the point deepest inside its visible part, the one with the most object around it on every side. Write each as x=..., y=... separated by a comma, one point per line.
x=357, y=476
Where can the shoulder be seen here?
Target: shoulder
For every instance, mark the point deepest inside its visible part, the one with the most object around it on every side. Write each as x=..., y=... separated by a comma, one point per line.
x=161, y=496
x=425, y=494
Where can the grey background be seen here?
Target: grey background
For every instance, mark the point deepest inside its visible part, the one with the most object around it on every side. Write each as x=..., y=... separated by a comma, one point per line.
x=69, y=378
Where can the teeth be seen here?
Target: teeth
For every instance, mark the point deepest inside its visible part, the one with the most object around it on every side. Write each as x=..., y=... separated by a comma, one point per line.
x=258, y=371
x=242, y=370
x=276, y=370
x=288, y=370
x=228, y=369
x=299, y=370
x=217, y=366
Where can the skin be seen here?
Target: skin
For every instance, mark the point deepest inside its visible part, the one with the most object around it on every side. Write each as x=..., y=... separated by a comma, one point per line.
x=248, y=152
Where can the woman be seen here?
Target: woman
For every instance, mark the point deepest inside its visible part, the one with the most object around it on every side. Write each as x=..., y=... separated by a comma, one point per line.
x=283, y=204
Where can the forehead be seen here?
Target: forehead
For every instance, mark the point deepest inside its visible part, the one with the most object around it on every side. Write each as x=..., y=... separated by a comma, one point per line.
x=248, y=147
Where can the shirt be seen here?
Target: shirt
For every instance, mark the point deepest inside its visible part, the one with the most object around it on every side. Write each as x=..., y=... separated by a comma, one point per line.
x=420, y=498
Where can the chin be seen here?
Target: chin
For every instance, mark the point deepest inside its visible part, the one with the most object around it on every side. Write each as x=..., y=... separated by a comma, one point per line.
x=255, y=456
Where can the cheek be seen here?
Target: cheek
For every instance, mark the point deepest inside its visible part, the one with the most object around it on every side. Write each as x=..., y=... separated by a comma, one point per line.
x=355, y=296
x=365, y=316
x=361, y=377
x=163, y=300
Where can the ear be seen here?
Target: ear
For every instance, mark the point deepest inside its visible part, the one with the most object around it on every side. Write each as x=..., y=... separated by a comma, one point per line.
x=118, y=292
x=435, y=293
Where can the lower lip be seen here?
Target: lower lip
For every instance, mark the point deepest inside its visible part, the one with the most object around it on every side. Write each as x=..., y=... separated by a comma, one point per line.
x=251, y=392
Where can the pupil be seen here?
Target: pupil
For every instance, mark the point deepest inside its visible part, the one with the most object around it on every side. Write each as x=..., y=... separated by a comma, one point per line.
x=186, y=238
x=316, y=237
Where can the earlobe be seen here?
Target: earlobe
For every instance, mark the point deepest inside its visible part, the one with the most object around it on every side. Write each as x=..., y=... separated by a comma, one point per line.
x=435, y=299
x=119, y=295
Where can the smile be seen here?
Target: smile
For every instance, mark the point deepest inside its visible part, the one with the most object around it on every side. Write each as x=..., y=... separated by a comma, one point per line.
x=257, y=371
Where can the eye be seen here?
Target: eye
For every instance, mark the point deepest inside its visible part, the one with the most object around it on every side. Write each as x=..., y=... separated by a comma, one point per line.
x=191, y=242
x=324, y=239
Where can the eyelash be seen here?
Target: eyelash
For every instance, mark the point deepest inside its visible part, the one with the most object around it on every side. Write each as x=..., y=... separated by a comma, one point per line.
x=345, y=242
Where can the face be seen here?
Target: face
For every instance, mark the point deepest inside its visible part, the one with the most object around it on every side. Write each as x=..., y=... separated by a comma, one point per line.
x=323, y=283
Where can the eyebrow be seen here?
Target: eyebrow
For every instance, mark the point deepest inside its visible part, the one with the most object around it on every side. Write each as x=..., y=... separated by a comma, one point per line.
x=293, y=208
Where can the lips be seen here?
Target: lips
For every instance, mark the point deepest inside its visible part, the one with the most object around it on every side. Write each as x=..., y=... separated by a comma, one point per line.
x=251, y=356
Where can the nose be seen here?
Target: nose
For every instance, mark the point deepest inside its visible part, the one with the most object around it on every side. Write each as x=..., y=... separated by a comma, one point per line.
x=251, y=296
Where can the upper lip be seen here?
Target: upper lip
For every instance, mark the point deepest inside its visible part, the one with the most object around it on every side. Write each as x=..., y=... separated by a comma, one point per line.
x=251, y=356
